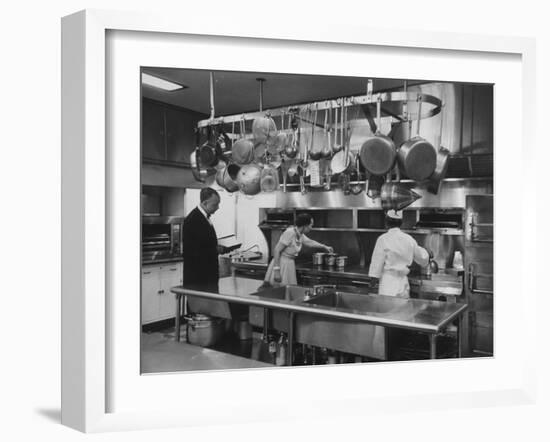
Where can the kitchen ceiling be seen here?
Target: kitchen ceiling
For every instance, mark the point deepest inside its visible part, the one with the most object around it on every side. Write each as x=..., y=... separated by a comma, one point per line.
x=239, y=92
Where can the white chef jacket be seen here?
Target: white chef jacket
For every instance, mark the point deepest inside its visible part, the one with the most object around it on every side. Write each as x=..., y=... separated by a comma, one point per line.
x=393, y=253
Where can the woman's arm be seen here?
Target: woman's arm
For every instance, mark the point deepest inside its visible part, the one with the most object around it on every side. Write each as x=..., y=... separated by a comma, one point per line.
x=314, y=244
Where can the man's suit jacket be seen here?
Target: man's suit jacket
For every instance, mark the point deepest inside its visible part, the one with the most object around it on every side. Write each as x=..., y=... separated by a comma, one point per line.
x=200, y=251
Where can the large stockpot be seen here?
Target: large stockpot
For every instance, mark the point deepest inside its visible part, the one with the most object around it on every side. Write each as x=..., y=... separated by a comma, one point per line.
x=204, y=330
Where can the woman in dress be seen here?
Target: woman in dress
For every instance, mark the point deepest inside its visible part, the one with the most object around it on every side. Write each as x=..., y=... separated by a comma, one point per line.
x=282, y=269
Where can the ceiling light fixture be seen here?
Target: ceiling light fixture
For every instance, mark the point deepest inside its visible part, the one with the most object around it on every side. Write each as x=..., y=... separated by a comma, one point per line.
x=160, y=83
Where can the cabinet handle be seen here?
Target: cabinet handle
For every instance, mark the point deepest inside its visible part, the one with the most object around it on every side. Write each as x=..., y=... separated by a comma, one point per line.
x=146, y=273
x=173, y=269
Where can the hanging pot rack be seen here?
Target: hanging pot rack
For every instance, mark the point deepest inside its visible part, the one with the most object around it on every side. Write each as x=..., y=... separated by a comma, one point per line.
x=369, y=99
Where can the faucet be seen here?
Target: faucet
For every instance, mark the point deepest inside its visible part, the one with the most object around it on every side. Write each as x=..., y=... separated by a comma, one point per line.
x=319, y=289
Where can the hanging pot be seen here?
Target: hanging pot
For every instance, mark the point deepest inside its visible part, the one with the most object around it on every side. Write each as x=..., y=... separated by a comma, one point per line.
x=242, y=151
x=378, y=153
x=263, y=129
x=207, y=156
x=248, y=179
x=227, y=177
x=417, y=157
x=269, y=179
x=441, y=166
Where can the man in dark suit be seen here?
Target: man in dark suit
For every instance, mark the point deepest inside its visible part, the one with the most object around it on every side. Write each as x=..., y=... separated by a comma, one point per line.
x=200, y=244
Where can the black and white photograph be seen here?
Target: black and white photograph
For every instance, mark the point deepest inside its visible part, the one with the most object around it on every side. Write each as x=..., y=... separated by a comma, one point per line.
x=309, y=220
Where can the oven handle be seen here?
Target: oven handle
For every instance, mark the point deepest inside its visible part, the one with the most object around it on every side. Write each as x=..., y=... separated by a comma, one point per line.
x=471, y=282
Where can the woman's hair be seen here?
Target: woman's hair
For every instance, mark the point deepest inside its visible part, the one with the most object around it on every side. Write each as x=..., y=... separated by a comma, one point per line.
x=303, y=219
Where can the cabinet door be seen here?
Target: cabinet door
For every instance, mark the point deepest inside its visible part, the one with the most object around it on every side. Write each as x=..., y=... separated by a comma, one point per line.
x=180, y=139
x=150, y=288
x=153, y=136
x=171, y=275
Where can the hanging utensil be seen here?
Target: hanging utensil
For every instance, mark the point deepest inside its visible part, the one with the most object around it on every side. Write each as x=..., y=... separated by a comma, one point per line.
x=378, y=152
x=357, y=188
x=441, y=164
x=374, y=187
x=242, y=151
x=269, y=179
x=292, y=148
x=417, y=157
x=343, y=159
x=326, y=152
x=338, y=131
x=314, y=154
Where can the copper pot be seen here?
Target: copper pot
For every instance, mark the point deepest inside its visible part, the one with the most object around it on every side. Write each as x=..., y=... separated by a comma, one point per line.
x=341, y=261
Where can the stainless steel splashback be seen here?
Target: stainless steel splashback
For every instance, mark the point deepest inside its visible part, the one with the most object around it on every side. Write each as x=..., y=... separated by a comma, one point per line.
x=452, y=194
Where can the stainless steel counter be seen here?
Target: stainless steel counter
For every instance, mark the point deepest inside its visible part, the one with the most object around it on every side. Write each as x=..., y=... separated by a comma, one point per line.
x=413, y=314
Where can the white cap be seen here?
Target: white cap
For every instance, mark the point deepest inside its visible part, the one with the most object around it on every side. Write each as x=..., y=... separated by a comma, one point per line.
x=394, y=214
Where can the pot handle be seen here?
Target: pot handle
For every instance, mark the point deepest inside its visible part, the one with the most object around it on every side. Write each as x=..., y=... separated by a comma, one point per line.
x=419, y=100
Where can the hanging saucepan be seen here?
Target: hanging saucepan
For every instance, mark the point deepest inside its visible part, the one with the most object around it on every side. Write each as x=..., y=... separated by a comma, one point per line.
x=269, y=179
x=374, y=187
x=207, y=156
x=263, y=129
x=441, y=166
x=227, y=177
x=417, y=157
x=378, y=153
x=194, y=166
x=242, y=151
x=248, y=179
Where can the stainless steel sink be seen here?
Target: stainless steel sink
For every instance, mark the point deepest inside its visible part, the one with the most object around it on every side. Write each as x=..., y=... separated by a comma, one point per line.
x=353, y=301
x=278, y=319
x=287, y=292
x=342, y=335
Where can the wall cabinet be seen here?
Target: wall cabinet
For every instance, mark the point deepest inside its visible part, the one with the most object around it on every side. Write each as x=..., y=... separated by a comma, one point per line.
x=157, y=301
x=167, y=133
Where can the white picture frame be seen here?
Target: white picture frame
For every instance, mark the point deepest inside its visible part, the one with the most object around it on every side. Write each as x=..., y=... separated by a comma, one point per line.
x=87, y=203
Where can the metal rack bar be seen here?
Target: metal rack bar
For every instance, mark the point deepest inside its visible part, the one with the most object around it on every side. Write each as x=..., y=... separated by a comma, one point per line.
x=345, y=101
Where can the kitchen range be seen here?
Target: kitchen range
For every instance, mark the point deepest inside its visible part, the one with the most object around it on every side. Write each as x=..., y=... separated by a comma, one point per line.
x=344, y=153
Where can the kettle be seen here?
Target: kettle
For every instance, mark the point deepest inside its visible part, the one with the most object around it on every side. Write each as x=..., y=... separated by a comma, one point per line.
x=432, y=267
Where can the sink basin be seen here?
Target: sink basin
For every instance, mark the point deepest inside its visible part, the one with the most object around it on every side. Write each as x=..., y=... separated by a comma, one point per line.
x=348, y=336
x=354, y=301
x=278, y=319
x=287, y=293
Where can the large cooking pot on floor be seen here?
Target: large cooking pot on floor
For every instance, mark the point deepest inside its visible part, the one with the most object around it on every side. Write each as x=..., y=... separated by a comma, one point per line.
x=204, y=330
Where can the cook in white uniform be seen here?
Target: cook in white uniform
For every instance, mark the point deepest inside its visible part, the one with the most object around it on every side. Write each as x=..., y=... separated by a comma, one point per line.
x=393, y=253
x=282, y=270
